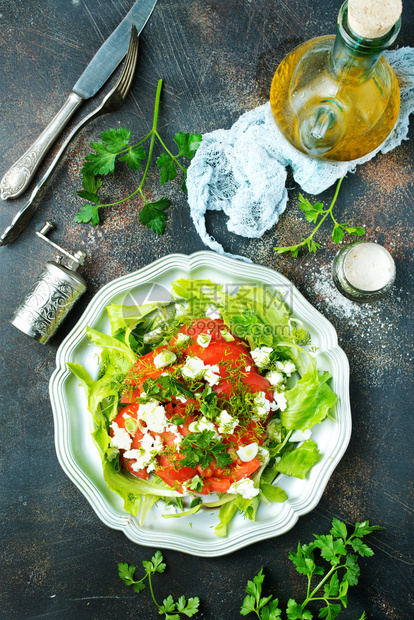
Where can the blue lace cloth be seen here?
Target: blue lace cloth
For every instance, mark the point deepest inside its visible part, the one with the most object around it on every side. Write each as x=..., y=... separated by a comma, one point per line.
x=242, y=171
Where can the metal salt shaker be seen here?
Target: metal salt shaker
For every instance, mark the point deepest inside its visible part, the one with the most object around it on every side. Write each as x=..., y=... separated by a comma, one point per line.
x=52, y=295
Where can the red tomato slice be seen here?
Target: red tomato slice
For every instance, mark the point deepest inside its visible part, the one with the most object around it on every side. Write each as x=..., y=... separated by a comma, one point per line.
x=144, y=367
x=120, y=420
x=169, y=469
x=221, y=483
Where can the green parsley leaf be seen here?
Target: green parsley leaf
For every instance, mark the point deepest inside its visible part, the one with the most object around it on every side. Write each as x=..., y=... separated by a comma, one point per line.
x=116, y=139
x=126, y=573
x=359, y=547
x=355, y=230
x=88, y=213
x=331, y=549
x=317, y=214
x=152, y=215
x=187, y=143
x=337, y=234
x=339, y=529
x=168, y=605
x=102, y=162
x=90, y=184
x=168, y=170
x=133, y=157
x=293, y=610
x=364, y=528
x=293, y=249
x=312, y=212
x=331, y=589
x=352, y=569
x=330, y=611
x=188, y=608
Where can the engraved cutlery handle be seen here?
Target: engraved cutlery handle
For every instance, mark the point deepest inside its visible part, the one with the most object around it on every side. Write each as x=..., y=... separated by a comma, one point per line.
x=18, y=177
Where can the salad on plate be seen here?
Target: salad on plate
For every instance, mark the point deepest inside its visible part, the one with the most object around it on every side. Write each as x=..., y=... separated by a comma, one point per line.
x=203, y=401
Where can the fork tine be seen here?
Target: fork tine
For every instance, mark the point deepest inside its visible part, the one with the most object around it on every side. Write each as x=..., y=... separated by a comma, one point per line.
x=129, y=63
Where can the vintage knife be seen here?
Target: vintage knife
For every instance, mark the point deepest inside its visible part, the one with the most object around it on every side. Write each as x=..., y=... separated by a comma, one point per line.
x=102, y=65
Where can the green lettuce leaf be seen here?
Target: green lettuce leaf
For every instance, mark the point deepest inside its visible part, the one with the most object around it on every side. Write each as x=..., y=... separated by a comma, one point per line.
x=298, y=462
x=128, y=317
x=309, y=400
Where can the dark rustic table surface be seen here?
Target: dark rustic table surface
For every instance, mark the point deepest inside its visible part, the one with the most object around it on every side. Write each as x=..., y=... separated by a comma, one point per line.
x=58, y=560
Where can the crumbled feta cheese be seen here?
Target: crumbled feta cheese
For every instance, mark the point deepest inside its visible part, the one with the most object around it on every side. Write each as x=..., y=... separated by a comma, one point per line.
x=280, y=400
x=182, y=338
x=226, y=422
x=212, y=375
x=212, y=312
x=245, y=488
x=248, y=368
x=286, y=367
x=263, y=454
x=301, y=435
x=181, y=398
x=146, y=453
x=193, y=368
x=247, y=453
x=261, y=406
x=198, y=426
x=153, y=414
x=164, y=358
x=171, y=428
x=261, y=356
x=204, y=340
x=121, y=438
x=274, y=377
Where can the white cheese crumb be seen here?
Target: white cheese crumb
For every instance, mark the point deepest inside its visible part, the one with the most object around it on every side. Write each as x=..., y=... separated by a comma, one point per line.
x=153, y=414
x=226, y=422
x=121, y=438
x=274, y=377
x=261, y=356
x=301, y=435
x=286, y=367
x=203, y=424
x=212, y=375
x=280, y=400
x=193, y=368
x=164, y=358
x=261, y=406
x=245, y=488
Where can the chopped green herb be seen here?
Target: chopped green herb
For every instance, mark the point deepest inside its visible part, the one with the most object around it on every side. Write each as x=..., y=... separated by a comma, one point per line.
x=156, y=565
x=114, y=146
x=332, y=589
x=312, y=214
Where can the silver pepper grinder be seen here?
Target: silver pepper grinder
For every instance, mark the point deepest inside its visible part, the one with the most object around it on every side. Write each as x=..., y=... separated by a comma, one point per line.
x=52, y=295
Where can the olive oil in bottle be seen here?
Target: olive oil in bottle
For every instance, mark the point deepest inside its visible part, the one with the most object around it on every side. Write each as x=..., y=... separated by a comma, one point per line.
x=337, y=98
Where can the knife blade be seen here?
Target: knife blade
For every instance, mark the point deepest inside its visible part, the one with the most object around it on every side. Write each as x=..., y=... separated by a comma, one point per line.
x=100, y=68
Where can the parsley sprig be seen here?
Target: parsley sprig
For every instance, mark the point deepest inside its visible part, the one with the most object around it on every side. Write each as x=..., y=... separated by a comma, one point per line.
x=201, y=449
x=114, y=146
x=168, y=608
x=336, y=549
x=312, y=213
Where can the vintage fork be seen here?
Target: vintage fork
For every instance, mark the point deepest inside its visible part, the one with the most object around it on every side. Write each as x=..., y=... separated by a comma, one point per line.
x=113, y=100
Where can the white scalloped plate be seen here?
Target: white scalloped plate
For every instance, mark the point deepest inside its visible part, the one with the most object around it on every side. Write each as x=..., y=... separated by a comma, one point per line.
x=79, y=457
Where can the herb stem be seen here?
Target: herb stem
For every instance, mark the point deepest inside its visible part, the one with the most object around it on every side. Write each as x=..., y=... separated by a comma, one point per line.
x=173, y=157
x=328, y=211
x=151, y=590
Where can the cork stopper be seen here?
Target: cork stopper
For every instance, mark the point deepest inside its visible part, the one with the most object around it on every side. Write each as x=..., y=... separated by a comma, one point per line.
x=373, y=18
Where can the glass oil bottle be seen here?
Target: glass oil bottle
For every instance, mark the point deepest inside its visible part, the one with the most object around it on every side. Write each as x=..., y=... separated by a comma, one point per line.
x=337, y=98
